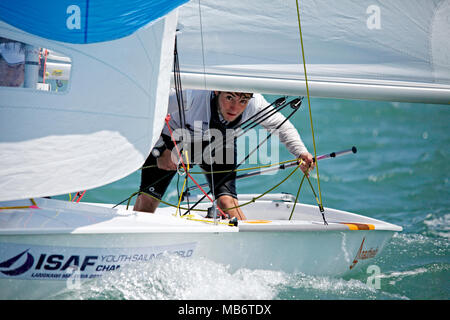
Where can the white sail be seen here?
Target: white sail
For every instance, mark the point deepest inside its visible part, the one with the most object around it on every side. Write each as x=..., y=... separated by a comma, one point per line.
x=368, y=49
x=101, y=128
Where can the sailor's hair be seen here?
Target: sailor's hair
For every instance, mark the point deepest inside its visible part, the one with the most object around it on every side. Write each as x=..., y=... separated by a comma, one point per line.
x=247, y=95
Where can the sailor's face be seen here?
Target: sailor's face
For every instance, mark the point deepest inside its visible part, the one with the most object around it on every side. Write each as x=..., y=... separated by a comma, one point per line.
x=231, y=104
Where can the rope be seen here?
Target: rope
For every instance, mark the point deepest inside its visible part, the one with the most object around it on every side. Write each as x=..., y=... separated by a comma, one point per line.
x=244, y=169
x=184, y=166
x=208, y=113
x=319, y=201
x=189, y=217
x=203, y=210
x=184, y=183
x=160, y=200
x=33, y=206
x=250, y=153
x=179, y=90
x=79, y=195
x=269, y=190
x=309, y=106
x=296, y=197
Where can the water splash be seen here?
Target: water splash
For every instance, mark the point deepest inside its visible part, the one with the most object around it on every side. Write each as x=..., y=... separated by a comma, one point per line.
x=176, y=278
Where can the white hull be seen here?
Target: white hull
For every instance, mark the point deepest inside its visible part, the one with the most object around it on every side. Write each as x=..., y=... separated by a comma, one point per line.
x=43, y=250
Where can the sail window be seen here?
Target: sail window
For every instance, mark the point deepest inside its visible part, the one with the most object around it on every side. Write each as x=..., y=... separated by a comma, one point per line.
x=29, y=66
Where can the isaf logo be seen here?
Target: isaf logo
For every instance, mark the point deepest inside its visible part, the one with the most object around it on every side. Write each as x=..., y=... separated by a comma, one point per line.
x=53, y=263
x=13, y=267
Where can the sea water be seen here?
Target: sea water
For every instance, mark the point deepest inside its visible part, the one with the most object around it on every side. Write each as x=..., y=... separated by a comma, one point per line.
x=400, y=174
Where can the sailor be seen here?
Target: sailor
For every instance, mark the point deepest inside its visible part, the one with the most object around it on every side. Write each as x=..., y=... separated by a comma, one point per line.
x=12, y=62
x=207, y=112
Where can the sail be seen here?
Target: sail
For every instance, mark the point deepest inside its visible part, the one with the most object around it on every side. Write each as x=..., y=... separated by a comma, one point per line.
x=367, y=49
x=60, y=136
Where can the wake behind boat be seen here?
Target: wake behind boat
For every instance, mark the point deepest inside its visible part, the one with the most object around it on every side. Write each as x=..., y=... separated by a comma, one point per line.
x=47, y=246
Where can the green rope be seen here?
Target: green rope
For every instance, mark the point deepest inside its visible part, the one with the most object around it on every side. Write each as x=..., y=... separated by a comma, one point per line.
x=309, y=103
x=296, y=197
x=263, y=194
x=203, y=210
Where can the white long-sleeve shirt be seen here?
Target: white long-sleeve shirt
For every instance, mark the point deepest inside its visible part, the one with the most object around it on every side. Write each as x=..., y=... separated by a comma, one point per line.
x=197, y=105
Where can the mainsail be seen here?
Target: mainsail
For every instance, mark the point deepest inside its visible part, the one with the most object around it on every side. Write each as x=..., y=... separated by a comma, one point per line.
x=367, y=49
x=101, y=128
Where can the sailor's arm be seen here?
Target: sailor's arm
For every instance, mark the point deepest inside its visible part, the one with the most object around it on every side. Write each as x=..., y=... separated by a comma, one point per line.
x=289, y=136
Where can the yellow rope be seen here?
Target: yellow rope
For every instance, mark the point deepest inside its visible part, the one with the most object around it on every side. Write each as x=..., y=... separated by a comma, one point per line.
x=18, y=207
x=34, y=204
x=309, y=103
x=190, y=217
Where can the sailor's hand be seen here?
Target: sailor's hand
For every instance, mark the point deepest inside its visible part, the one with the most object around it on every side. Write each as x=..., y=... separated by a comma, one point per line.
x=306, y=162
x=165, y=162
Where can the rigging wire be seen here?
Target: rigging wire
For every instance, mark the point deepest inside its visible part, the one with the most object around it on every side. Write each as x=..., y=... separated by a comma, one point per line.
x=309, y=107
x=180, y=100
x=242, y=128
x=184, y=166
x=246, y=126
x=295, y=104
x=207, y=111
x=283, y=165
x=178, y=88
x=264, y=116
x=204, y=210
x=279, y=102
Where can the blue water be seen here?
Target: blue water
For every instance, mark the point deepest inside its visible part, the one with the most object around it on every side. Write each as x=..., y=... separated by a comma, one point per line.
x=400, y=174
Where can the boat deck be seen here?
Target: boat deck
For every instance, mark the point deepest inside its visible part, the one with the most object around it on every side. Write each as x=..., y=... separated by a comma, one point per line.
x=55, y=216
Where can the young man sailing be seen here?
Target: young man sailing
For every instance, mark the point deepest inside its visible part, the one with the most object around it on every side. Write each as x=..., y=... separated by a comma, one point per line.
x=206, y=112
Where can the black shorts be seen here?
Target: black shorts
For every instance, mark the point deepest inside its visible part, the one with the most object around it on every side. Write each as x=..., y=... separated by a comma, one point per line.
x=155, y=181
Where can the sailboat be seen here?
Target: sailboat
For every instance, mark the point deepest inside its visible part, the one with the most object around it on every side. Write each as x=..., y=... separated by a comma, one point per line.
x=97, y=123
